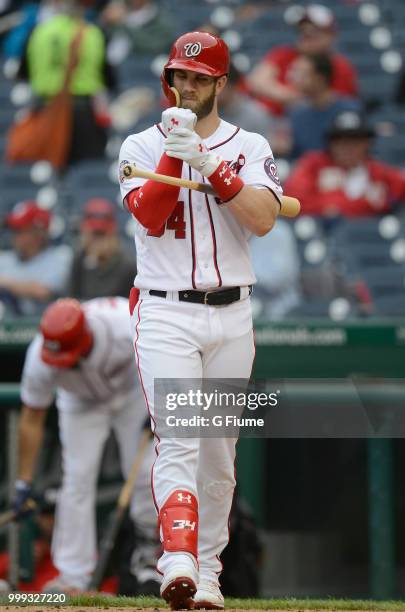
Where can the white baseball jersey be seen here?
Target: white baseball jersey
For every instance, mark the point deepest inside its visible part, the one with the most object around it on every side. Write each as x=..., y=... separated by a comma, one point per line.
x=101, y=378
x=201, y=242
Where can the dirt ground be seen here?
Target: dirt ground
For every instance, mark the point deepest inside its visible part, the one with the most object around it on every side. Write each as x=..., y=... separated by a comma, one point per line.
x=62, y=608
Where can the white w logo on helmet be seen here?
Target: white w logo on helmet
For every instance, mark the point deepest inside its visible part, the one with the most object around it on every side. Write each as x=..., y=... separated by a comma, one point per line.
x=192, y=49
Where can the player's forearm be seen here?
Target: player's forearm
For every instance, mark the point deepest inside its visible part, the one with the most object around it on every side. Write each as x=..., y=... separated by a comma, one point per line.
x=255, y=209
x=30, y=436
x=277, y=92
x=263, y=81
x=153, y=203
x=26, y=289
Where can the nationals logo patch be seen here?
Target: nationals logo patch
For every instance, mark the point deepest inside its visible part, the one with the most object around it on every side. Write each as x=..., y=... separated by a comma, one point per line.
x=271, y=170
x=122, y=176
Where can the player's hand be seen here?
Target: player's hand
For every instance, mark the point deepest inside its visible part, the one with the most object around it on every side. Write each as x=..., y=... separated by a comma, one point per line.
x=188, y=146
x=23, y=502
x=175, y=117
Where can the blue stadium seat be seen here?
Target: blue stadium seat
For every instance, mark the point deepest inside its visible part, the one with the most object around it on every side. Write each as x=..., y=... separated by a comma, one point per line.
x=317, y=309
x=367, y=61
x=89, y=174
x=189, y=16
x=379, y=86
x=7, y=116
x=385, y=281
x=358, y=257
x=136, y=71
x=389, y=113
x=78, y=197
x=358, y=231
x=16, y=175
x=391, y=149
x=390, y=306
x=15, y=193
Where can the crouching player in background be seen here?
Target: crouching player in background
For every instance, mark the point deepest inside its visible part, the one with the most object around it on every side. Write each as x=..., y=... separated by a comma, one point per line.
x=84, y=352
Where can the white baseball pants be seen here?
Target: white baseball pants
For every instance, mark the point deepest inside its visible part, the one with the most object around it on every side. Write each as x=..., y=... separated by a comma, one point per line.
x=175, y=339
x=83, y=435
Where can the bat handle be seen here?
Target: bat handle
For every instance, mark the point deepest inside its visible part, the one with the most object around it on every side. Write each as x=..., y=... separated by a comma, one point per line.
x=175, y=99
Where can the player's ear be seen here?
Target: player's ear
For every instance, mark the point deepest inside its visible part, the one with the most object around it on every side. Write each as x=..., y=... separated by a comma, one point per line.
x=220, y=84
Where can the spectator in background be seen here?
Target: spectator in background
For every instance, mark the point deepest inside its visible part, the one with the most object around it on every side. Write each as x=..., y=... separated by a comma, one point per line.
x=29, y=16
x=310, y=119
x=270, y=81
x=343, y=179
x=102, y=266
x=238, y=109
x=16, y=39
x=34, y=272
x=277, y=267
x=44, y=65
x=136, y=27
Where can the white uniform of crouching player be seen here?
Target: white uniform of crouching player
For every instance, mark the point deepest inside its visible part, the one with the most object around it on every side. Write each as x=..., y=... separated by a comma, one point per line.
x=84, y=352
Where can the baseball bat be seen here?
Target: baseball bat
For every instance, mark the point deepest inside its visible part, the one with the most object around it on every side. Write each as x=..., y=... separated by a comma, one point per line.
x=7, y=517
x=290, y=207
x=176, y=96
x=118, y=515
x=12, y=515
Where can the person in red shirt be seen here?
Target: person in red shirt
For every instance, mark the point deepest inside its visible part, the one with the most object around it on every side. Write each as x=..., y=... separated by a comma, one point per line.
x=271, y=81
x=344, y=179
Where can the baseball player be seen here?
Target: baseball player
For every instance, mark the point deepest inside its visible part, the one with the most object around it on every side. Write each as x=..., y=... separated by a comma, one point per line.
x=190, y=306
x=85, y=353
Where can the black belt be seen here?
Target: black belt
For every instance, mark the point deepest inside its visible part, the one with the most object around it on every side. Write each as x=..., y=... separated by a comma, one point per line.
x=211, y=298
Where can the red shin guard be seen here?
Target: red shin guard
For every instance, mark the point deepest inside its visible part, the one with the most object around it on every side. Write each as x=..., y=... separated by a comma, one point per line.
x=179, y=520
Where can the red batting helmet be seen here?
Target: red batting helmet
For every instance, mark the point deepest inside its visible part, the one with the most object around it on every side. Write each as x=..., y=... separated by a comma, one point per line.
x=197, y=51
x=66, y=336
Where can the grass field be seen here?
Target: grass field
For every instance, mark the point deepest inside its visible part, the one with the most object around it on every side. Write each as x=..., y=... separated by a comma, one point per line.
x=251, y=604
x=154, y=604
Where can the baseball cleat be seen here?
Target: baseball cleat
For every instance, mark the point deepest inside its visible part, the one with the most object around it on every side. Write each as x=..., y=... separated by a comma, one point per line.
x=178, y=589
x=61, y=585
x=208, y=596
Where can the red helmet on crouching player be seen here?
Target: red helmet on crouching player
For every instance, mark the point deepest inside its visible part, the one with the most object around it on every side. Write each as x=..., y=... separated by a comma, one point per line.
x=197, y=51
x=66, y=335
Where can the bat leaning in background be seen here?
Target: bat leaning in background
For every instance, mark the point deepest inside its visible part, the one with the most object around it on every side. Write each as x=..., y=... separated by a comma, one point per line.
x=7, y=517
x=118, y=515
x=12, y=515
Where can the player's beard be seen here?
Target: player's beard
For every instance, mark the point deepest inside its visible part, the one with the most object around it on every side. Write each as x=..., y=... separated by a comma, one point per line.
x=201, y=108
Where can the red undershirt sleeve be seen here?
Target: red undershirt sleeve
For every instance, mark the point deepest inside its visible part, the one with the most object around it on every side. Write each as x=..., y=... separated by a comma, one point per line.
x=153, y=203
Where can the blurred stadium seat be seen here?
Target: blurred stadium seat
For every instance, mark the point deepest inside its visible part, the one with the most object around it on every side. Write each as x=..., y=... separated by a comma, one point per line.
x=385, y=281
x=357, y=257
x=369, y=231
x=91, y=174
x=390, y=306
x=350, y=248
